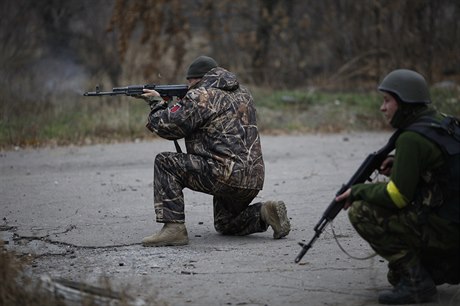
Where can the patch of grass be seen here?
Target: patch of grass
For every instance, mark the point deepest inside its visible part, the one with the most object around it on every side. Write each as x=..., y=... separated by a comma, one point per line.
x=314, y=111
x=310, y=111
x=447, y=100
x=88, y=120
x=12, y=284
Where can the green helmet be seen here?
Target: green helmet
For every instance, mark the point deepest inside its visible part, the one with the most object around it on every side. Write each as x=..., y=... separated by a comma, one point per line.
x=408, y=85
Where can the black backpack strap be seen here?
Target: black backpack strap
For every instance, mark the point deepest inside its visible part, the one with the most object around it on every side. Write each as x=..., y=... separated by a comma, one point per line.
x=452, y=126
x=445, y=133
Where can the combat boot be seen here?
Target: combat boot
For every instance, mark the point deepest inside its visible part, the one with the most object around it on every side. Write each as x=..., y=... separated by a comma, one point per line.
x=394, y=274
x=415, y=286
x=275, y=215
x=170, y=235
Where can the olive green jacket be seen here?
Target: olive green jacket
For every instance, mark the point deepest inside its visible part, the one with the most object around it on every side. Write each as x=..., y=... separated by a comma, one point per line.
x=415, y=156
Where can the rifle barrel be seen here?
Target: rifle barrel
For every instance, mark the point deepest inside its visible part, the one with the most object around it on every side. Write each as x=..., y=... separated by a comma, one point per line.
x=319, y=228
x=175, y=90
x=101, y=93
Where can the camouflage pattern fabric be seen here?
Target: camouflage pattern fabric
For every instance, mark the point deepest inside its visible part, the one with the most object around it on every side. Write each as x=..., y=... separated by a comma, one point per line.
x=408, y=236
x=232, y=213
x=217, y=120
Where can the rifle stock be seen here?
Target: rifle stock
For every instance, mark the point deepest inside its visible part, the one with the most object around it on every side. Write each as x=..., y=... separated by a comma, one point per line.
x=363, y=174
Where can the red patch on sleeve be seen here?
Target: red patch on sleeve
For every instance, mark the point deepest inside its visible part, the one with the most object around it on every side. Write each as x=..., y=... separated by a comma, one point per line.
x=175, y=108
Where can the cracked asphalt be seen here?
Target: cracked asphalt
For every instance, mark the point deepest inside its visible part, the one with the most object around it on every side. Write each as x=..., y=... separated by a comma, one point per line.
x=80, y=213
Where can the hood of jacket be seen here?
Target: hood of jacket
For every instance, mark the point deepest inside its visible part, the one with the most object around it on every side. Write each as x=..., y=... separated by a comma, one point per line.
x=219, y=78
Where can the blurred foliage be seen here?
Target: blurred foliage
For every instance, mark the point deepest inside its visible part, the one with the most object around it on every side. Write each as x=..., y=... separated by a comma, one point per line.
x=163, y=27
x=331, y=43
x=300, y=50
x=18, y=287
x=13, y=284
x=115, y=119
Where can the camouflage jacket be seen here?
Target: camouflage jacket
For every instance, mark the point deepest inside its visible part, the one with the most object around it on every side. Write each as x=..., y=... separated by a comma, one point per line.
x=217, y=118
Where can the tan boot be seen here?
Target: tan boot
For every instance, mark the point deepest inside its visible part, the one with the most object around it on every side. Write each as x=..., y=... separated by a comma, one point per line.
x=274, y=214
x=171, y=234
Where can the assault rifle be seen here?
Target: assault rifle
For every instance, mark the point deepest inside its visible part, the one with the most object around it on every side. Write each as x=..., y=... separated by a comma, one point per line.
x=165, y=91
x=363, y=174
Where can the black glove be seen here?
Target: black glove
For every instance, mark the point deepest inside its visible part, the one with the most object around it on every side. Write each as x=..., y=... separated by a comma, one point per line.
x=156, y=103
x=154, y=107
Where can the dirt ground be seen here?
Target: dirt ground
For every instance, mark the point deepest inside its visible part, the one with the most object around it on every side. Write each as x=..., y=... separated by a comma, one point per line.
x=81, y=212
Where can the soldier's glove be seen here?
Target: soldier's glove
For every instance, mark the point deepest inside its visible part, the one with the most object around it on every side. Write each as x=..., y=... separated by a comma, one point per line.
x=156, y=103
x=158, y=106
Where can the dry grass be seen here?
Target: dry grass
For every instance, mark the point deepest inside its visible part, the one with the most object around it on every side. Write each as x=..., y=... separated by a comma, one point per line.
x=19, y=288
x=78, y=120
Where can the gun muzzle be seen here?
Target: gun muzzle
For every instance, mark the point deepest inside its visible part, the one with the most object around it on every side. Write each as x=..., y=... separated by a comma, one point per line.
x=305, y=248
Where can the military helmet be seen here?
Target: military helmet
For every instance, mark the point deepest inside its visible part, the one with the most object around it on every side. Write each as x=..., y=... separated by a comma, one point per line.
x=408, y=85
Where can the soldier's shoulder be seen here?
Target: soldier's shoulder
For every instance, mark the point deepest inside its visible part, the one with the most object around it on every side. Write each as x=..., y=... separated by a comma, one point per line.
x=197, y=94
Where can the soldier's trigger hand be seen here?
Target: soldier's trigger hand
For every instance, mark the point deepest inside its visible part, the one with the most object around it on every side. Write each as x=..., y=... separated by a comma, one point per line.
x=386, y=166
x=158, y=106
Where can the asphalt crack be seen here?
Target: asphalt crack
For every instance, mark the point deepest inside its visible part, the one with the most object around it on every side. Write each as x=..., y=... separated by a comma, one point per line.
x=43, y=246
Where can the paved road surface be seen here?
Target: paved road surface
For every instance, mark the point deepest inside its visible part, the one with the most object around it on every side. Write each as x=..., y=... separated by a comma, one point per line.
x=82, y=211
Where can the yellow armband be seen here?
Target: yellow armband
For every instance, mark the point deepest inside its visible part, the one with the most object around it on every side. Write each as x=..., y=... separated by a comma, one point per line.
x=396, y=196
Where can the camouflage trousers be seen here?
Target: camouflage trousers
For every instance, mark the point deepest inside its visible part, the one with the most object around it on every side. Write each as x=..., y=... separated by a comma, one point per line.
x=233, y=214
x=406, y=238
